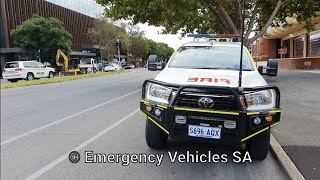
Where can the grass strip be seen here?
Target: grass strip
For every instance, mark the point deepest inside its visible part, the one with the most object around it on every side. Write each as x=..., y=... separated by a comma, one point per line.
x=57, y=79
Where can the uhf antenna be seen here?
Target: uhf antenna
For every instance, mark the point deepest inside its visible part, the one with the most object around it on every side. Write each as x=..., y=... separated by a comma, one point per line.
x=241, y=48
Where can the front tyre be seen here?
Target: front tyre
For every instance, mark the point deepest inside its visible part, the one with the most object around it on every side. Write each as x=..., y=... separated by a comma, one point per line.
x=51, y=74
x=30, y=77
x=155, y=137
x=258, y=146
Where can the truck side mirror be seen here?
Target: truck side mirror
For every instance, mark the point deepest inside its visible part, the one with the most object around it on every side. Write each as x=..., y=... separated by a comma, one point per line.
x=260, y=69
x=163, y=65
x=271, y=69
x=152, y=62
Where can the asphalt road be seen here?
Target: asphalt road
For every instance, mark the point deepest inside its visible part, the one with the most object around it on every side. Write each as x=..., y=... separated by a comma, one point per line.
x=3, y=81
x=299, y=130
x=41, y=125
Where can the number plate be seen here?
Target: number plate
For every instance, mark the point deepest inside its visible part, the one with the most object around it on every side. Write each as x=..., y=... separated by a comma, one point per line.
x=204, y=132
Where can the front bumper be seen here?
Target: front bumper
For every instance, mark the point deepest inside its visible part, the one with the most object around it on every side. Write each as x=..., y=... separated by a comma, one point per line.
x=244, y=130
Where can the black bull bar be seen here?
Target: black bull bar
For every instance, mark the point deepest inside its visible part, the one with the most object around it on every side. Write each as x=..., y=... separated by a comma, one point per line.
x=246, y=129
x=235, y=91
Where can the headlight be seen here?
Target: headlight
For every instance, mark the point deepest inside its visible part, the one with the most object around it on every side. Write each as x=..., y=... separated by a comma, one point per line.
x=260, y=100
x=158, y=93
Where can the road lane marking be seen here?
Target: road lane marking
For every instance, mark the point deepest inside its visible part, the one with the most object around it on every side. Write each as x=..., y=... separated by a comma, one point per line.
x=108, y=82
x=82, y=145
x=63, y=119
x=314, y=71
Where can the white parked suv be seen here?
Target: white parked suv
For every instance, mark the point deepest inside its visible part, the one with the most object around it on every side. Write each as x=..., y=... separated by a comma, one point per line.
x=26, y=70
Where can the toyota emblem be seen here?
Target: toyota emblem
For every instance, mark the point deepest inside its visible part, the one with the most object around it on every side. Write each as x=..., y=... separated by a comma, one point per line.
x=205, y=102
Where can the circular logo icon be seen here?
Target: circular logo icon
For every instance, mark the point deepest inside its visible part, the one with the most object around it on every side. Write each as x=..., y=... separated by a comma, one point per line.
x=74, y=157
x=205, y=102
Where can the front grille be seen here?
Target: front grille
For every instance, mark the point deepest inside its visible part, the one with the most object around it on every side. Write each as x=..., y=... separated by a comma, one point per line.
x=222, y=100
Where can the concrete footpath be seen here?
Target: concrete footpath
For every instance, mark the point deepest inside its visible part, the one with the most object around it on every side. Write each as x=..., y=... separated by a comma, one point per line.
x=299, y=130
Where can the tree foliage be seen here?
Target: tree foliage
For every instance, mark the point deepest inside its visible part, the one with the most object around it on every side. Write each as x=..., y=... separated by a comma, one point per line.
x=139, y=46
x=160, y=49
x=44, y=34
x=132, y=37
x=105, y=34
x=212, y=16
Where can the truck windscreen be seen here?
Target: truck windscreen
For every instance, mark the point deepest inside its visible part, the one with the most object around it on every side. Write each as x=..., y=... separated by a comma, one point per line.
x=210, y=57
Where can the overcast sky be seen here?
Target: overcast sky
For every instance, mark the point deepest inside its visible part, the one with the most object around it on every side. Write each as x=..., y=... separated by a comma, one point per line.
x=152, y=33
x=90, y=8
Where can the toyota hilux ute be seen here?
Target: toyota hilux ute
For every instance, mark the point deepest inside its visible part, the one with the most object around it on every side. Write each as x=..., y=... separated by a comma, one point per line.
x=202, y=94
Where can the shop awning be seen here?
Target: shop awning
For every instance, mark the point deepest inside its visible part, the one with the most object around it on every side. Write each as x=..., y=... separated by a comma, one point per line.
x=279, y=32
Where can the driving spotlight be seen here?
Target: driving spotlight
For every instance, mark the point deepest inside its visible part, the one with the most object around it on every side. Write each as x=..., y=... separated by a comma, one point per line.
x=257, y=120
x=157, y=112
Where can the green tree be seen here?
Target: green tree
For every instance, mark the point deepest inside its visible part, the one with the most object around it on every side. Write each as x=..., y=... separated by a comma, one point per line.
x=139, y=46
x=160, y=49
x=213, y=16
x=44, y=34
x=105, y=33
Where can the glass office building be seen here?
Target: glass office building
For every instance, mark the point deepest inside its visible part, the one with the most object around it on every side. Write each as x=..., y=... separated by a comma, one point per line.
x=77, y=16
x=87, y=7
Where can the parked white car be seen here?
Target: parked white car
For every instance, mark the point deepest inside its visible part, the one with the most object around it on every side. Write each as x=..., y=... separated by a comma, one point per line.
x=112, y=67
x=117, y=66
x=27, y=70
x=128, y=66
x=109, y=68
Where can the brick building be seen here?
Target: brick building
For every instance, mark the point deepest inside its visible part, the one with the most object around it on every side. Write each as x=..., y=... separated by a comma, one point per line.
x=14, y=12
x=293, y=46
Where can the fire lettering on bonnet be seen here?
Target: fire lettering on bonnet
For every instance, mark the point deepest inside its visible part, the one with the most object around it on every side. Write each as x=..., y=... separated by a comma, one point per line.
x=213, y=80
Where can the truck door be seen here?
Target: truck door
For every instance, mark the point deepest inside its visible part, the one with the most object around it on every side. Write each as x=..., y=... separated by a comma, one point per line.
x=94, y=65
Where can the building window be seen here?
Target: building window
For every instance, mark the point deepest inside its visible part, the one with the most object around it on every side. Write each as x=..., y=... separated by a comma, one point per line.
x=314, y=43
x=298, y=43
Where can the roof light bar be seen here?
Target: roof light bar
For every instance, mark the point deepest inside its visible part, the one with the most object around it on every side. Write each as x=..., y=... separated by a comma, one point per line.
x=214, y=35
